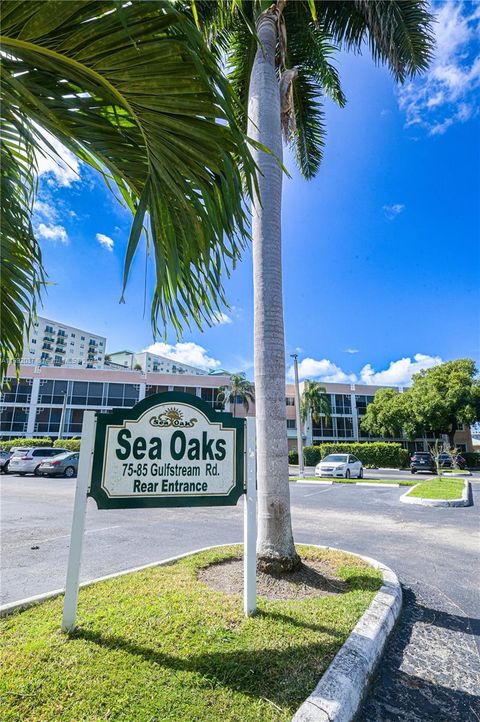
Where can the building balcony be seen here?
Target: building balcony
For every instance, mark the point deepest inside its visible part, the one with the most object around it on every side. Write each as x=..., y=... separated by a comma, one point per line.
x=59, y=349
x=46, y=347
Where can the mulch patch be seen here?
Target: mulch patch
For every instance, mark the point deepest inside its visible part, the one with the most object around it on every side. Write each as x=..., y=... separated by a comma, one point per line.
x=316, y=578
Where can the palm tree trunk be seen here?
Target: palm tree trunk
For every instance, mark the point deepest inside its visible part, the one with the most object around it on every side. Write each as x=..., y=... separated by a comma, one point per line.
x=275, y=546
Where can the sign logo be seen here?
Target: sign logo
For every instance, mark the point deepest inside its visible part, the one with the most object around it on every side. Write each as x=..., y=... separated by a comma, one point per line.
x=172, y=417
x=171, y=449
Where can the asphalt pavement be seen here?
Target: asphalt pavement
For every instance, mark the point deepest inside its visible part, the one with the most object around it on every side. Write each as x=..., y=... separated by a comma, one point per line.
x=432, y=665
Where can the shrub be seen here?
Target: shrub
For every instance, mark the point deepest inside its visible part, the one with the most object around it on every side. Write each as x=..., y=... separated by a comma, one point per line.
x=371, y=454
x=472, y=458
x=7, y=445
x=70, y=444
x=293, y=457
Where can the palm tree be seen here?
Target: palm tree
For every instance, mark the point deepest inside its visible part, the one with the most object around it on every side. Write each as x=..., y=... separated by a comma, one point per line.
x=132, y=90
x=315, y=401
x=238, y=388
x=278, y=62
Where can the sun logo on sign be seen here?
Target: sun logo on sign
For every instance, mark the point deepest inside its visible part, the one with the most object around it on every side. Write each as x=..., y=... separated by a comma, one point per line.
x=171, y=417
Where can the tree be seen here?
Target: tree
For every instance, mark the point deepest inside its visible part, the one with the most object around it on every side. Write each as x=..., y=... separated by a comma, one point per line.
x=238, y=387
x=132, y=90
x=445, y=396
x=278, y=62
x=439, y=399
x=389, y=415
x=314, y=401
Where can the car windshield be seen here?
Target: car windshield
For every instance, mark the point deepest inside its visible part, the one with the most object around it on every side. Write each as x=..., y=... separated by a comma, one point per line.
x=336, y=457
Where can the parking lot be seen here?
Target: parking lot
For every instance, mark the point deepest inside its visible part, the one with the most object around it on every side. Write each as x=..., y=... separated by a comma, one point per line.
x=434, y=551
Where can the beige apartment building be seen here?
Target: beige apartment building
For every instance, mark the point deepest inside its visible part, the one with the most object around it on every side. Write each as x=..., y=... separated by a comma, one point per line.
x=32, y=405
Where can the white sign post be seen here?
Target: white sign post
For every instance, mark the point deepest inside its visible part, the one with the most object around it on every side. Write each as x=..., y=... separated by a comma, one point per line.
x=250, y=525
x=78, y=522
x=170, y=450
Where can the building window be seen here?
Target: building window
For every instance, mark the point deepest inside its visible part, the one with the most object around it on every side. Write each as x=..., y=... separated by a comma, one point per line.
x=342, y=404
x=460, y=426
x=150, y=390
x=290, y=401
x=461, y=447
x=16, y=391
x=13, y=419
x=344, y=427
x=291, y=424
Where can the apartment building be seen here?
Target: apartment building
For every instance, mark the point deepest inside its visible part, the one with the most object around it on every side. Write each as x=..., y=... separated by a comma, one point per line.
x=32, y=405
x=49, y=343
x=153, y=362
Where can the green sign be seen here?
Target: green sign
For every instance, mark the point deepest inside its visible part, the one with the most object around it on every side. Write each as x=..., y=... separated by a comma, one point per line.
x=169, y=450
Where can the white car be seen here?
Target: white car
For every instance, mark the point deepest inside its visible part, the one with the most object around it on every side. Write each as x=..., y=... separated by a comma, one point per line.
x=345, y=466
x=29, y=459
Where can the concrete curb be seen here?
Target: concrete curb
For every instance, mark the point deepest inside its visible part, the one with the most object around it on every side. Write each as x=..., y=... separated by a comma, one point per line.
x=351, y=483
x=465, y=500
x=339, y=693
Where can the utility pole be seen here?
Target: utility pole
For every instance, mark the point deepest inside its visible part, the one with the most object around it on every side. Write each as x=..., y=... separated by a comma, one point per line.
x=301, y=470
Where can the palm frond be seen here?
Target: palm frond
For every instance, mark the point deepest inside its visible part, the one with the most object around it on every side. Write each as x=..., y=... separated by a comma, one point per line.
x=135, y=92
x=398, y=32
x=22, y=273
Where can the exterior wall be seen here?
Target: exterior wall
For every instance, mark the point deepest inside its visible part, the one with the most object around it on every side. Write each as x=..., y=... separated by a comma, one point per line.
x=56, y=344
x=33, y=406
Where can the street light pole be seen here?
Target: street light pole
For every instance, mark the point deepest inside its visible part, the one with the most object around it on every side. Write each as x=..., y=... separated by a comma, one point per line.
x=301, y=469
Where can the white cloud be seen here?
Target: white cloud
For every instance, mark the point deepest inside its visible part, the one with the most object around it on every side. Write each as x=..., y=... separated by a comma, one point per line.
x=105, y=241
x=62, y=168
x=53, y=233
x=45, y=210
x=399, y=373
x=438, y=99
x=393, y=211
x=222, y=319
x=187, y=353
x=351, y=350
x=323, y=370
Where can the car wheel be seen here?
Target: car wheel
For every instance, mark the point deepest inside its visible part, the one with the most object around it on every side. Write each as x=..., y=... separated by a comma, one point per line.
x=360, y=474
x=37, y=471
x=21, y=473
x=69, y=472
x=347, y=474
x=412, y=471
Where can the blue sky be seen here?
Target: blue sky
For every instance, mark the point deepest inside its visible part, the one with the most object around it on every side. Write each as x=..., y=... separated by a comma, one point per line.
x=381, y=249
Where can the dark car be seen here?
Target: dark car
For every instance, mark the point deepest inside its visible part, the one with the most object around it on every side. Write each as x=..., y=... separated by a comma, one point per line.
x=447, y=461
x=422, y=461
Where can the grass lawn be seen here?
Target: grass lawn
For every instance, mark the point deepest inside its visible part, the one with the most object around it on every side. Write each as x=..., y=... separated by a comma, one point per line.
x=161, y=646
x=353, y=481
x=438, y=488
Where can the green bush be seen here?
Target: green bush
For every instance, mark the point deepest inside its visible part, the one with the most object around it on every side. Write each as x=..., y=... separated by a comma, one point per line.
x=293, y=457
x=70, y=444
x=371, y=454
x=7, y=445
x=472, y=458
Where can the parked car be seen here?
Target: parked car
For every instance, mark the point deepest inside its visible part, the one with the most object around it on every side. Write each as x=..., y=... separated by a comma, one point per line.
x=422, y=461
x=65, y=464
x=340, y=465
x=446, y=461
x=4, y=459
x=28, y=461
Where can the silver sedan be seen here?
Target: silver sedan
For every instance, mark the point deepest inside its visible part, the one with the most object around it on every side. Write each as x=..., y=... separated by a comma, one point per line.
x=65, y=464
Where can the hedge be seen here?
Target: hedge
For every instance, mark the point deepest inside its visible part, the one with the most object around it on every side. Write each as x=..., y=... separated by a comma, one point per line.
x=7, y=445
x=70, y=444
x=472, y=458
x=371, y=454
